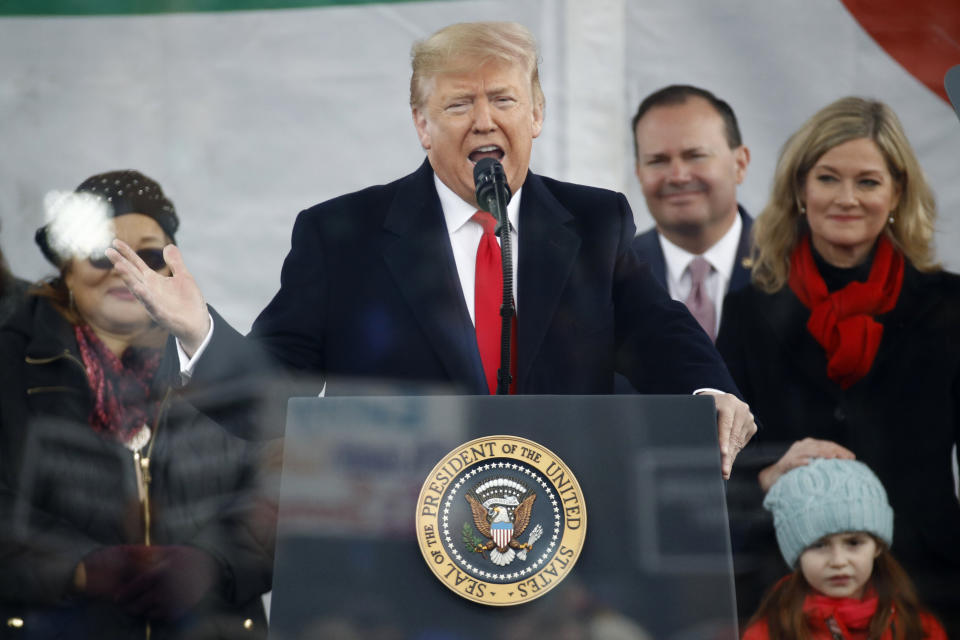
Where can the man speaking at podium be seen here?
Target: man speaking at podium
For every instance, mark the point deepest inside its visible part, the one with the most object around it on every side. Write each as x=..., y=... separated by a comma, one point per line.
x=395, y=281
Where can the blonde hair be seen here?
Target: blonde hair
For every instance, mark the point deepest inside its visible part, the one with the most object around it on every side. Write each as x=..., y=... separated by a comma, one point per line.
x=469, y=45
x=780, y=225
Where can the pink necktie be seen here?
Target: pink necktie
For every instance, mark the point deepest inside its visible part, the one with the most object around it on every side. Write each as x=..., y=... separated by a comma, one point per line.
x=698, y=302
x=488, y=296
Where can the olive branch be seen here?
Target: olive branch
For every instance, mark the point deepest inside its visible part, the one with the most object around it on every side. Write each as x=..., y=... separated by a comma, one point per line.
x=472, y=541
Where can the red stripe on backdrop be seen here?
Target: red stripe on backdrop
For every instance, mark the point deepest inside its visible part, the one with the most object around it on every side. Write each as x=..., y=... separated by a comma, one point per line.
x=923, y=36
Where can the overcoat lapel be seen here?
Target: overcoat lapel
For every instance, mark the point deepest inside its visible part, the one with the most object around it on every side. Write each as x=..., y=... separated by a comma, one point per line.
x=740, y=277
x=548, y=251
x=416, y=249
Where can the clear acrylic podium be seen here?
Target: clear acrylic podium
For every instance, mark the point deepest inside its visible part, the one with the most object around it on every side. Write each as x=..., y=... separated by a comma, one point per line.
x=655, y=561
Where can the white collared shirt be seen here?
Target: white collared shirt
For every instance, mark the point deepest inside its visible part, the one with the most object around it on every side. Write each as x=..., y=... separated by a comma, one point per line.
x=465, y=237
x=721, y=257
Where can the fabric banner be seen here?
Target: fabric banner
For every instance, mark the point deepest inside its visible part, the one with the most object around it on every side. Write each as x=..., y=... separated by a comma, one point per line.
x=247, y=112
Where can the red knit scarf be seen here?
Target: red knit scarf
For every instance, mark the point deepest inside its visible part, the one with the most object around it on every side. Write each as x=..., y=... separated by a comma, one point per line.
x=843, y=321
x=852, y=616
x=121, y=386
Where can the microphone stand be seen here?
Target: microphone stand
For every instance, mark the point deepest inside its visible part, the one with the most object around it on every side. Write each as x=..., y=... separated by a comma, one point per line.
x=507, y=309
x=488, y=176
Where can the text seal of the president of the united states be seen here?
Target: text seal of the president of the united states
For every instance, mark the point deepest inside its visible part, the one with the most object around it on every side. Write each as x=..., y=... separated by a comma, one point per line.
x=501, y=520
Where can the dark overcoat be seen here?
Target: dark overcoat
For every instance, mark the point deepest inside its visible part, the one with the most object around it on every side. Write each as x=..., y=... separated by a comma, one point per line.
x=902, y=419
x=370, y=290
x=66, y=491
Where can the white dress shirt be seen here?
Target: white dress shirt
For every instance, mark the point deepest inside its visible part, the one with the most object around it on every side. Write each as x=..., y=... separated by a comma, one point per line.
x=721, y=257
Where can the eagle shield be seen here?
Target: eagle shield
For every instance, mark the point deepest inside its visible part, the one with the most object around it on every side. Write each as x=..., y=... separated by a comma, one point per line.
x=502, y=533
x=501, y=512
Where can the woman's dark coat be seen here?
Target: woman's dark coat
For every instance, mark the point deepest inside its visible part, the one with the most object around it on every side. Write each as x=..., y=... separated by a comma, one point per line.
x=67, y=491
x=902, y=419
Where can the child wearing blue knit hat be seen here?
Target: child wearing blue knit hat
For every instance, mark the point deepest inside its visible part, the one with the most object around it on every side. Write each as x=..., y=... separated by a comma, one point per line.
x=834, y=527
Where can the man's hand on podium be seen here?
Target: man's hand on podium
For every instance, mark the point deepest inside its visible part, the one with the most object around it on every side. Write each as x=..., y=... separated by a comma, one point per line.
x=735, y=427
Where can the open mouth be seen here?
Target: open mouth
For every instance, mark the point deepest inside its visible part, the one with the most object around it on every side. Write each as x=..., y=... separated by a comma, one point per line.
x=487, y=151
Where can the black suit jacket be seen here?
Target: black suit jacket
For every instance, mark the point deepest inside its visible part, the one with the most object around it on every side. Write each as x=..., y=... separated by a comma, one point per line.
x=648, y=249
x=370, y=290
x=647, y=246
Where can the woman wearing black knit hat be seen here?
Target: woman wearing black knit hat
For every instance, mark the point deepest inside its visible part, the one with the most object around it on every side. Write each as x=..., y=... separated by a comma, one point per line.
x=125, y=512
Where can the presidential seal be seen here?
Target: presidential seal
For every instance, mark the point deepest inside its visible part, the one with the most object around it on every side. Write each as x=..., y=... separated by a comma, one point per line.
x=501, y=520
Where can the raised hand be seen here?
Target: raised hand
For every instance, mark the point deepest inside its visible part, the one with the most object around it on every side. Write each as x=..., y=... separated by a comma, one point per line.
x=174, y=301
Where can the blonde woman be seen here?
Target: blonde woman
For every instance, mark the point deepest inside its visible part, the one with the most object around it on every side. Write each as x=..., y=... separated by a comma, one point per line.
x=846, y=343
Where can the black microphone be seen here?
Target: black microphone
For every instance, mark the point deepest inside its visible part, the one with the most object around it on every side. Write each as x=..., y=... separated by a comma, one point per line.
x=493, y=192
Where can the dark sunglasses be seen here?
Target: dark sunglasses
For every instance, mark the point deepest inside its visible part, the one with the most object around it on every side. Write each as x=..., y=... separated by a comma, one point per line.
x=153, y=258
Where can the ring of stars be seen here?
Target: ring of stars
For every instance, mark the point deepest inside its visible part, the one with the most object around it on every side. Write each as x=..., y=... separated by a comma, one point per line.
x=493, y=575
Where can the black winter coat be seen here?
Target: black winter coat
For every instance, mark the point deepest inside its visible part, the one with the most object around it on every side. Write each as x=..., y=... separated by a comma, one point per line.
x=902, y=419
x=65, y=491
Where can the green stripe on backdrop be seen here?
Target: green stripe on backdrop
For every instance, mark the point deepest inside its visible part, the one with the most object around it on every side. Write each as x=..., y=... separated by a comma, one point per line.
x=135, y=7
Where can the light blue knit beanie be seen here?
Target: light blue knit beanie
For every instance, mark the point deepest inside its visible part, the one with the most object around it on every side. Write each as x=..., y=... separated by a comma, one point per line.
x=827, y=497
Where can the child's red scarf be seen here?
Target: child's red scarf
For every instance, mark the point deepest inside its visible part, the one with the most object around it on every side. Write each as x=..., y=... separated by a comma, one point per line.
x=849, y=617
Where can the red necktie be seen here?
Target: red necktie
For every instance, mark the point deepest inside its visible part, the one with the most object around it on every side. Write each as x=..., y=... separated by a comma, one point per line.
x=488, y=296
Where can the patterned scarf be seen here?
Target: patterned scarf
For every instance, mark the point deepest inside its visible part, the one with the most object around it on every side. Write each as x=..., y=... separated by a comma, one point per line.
x=120, y=386
x=843, y=322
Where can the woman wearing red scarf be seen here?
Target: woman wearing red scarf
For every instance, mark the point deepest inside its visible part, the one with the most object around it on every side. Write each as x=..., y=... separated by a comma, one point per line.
x=834, y=528
x=846, y=343
x=124, y=512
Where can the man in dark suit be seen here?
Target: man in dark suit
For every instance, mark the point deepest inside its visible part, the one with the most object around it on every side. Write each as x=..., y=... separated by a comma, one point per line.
x=689, y=160
x=381, y=283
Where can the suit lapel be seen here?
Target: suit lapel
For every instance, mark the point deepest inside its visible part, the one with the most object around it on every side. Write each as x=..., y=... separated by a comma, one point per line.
x=742, y=262
x=416, y=249
x=548, y=250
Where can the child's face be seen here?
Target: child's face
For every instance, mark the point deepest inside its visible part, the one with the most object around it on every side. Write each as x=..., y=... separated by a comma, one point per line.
x=840, y=565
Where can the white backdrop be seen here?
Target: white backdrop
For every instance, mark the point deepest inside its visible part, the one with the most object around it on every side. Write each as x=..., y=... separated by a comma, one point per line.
x=246, y=118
